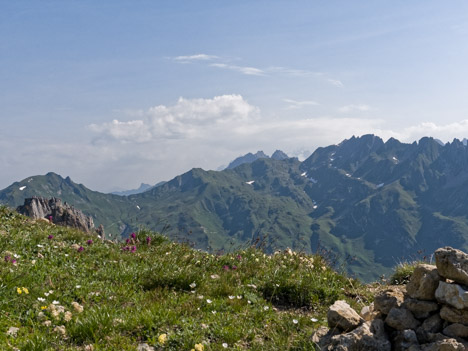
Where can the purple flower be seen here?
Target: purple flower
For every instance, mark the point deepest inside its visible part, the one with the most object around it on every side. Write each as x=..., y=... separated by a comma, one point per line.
x=81, y=248
x=133, y=235
x=13, y=261
x=7, y=258
x=234, y=267
x=239, y=257
x=133, y=249
x=89, y=242
x=50, y=219
x=50, y=237
x=226, y=268
x=148, y=240
x=127, y=241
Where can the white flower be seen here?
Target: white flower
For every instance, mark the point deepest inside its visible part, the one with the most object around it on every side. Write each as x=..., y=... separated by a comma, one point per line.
x=33, y=262
x=225, y=345
x=214, y=312
x=41, y=299
x=239, y=297
x=16, y=256
x=39, y=245
x=314, y=320
x=208, y=301
x=231, y=297
x=266, y=308
x=249, y=302
x=55, y=302
x=193, y=285
x=295, y=321
x=200, y=297
x=214, y=276
x=66, y=255
x=78, y=286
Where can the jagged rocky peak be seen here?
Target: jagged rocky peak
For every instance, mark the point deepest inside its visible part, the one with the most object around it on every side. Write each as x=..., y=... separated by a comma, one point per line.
x=279, y=155
x=56, y=211
x=248, y=158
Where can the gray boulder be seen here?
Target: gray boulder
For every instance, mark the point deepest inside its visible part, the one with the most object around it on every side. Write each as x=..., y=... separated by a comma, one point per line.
x=452, y=264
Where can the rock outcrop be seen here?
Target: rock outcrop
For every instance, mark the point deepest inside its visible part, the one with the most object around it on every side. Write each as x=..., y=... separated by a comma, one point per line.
x=57, y=212
x=429, y=314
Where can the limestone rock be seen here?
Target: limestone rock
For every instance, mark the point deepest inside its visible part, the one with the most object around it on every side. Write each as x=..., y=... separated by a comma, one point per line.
x=423, y=282
x=60, y=213
x=444, y=345
x=388, y=299
x=368, y=313
x=340, y=315
x=429, y=328
x=420, y=308
x=401, y=319
x=370, y=336
x=322, y=337
x=452, y=264
x=453, y=315
x=453, y=295
x=456, y=330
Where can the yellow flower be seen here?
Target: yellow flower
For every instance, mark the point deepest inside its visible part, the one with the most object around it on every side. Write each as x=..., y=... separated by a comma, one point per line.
x=25, y=290
x=19, y=291
x=162, y=339
x=43, y=307
x=199, y=347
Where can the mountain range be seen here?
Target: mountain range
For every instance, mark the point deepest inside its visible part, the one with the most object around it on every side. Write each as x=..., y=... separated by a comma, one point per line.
x=368, y=203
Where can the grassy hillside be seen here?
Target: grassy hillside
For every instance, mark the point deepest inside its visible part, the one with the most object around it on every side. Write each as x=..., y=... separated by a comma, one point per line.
x=64, y=290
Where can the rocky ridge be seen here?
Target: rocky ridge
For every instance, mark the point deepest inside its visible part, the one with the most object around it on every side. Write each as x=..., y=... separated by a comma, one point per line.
x=430, y=313
x=57, y=212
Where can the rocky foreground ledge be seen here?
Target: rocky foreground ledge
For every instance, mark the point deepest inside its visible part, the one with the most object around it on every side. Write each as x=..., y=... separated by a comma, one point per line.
x=430, y=313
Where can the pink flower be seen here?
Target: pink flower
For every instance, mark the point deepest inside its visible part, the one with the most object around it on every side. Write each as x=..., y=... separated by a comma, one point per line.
x=239, y=257
x=50, y=219
x=89, y=242
x=81, y=248
x=226, y=268
x=50, y=237
x=148, y=240
x=133, y=249
x=234, y=267
x=133, y=235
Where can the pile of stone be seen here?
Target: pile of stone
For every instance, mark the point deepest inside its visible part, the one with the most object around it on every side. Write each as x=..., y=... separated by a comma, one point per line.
x=429, y=314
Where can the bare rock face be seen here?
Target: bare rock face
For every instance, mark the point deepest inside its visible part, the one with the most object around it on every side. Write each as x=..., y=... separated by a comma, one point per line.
x=60, y=213
x=423, y=282
x=453, y=295
x=388, y=299
x=453, y=315
x=370, y=336
x=340, y=315
x=452, y=264
x=401, y=319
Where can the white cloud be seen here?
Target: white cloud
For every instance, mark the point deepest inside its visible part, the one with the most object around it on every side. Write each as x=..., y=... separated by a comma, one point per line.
x=294, y=104
x=197, y=57
x=251, y=71
x=353, y=108
x=336, y=82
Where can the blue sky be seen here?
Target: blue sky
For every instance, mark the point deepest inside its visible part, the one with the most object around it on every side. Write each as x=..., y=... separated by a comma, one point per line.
x=114, y=93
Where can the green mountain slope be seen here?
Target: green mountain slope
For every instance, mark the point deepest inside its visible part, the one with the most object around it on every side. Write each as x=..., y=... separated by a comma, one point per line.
x=372, y=203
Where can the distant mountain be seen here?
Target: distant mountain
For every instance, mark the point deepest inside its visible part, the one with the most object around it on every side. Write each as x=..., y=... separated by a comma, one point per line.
x=143, y=187
x=371, y=203
x=248, y=158
x=279, y=155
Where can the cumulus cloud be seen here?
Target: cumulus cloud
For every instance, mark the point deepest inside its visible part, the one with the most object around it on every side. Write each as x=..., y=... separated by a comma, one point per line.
x=353, y=108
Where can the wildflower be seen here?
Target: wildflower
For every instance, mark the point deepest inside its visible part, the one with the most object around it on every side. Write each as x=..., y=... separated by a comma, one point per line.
x=193, y=285
x=78, y=286
x=39, y=245
x=234, y=268
x=226, y=268
x=148, y=240
x=231, y=297
x=78, y=308
x=162, y=339
x=133, y=248
x=68, y=316
x=60, y=329
x=47, y=323
x=33, y=262
x=295, y=321
x=200, y=297
x=89, y=242
x=266, y=308
x=133, y=235
x=43, y=307
x=7, y=258
x=314, y=320
x=208, y=301
x=25, y=290
x=50, y=219
x=214, y=312
x=55, y=302
x=199, y=347
x=50, y=237
x=214, y=276
x=239, y=257
x=127, y=241
x=12, y=331
x=81, y=248
x=41, y=299
x=225, y=345
x=13, y=262
x=19, y=291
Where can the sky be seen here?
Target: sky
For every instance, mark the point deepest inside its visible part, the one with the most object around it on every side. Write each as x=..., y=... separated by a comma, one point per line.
x=116, y=93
